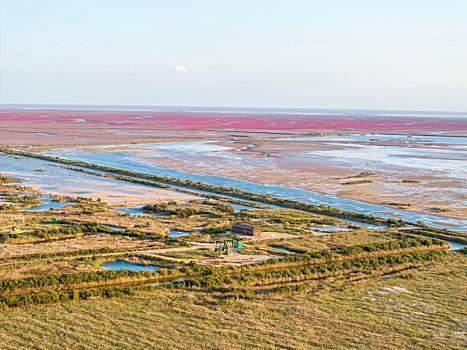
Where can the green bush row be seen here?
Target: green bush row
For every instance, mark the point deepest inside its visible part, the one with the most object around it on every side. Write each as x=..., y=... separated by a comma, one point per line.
x=79, y=252
x=312, y=257
x=460, y=237
x=257, y=277
x=69, y=279
x=403, y=243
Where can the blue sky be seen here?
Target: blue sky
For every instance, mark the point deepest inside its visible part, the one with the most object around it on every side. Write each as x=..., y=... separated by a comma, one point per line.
x=394, y=54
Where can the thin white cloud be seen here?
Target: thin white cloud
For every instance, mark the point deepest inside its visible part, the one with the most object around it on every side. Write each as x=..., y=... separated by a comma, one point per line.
x=77, y=16
x=22, y=53
x=178, y=68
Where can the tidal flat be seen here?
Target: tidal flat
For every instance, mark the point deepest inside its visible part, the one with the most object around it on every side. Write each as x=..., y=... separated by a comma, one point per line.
x=129, y=221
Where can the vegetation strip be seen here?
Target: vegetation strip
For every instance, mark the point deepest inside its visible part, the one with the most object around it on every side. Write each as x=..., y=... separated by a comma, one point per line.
x=263, y=278
x=455, y=236
x=412, y=246
x=308, y=273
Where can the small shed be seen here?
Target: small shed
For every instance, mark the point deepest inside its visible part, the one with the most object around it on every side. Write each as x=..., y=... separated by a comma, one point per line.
x=245, y=229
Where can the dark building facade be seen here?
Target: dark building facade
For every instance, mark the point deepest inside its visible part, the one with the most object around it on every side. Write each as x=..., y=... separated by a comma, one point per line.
x=245, y=229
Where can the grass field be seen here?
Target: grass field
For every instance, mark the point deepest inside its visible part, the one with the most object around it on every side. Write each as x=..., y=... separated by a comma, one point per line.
x=420, y=309
x=335, y=240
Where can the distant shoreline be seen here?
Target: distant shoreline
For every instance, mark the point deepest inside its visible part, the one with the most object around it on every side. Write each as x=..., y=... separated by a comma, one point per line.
x=242, y=110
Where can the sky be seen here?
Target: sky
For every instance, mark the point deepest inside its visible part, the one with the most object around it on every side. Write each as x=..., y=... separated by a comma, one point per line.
x=364, y=54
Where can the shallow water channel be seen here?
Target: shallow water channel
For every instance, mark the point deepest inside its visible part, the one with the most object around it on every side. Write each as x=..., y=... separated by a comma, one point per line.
x=130, y=161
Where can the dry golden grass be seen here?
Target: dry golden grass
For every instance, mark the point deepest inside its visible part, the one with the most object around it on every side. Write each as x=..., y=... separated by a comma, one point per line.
x=46, y=267
x=423, y=309
x=85, y=242
x=337, y=239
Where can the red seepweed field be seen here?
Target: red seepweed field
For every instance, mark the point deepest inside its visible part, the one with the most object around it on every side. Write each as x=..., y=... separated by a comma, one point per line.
x=203, y=121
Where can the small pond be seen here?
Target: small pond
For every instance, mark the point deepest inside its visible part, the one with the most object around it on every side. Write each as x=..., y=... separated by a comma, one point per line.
x=455, y=245
x=134, y=210
x=48, y=203
x=281, y=248
x=178, y=233
x=138, y=210
x=364, y=224
x=116, y=228
x=238, y=207
x=126, y=265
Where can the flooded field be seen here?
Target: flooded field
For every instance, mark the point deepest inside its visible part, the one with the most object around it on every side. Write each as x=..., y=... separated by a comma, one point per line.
x=404, y=169
x=125, y=157
x=447, y=162
x=60, y=181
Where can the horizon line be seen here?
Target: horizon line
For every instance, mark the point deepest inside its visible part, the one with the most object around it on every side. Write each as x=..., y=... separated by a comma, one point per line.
x=212, y=109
